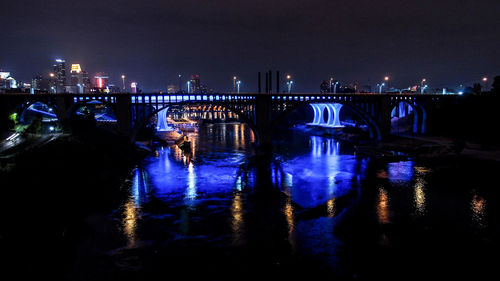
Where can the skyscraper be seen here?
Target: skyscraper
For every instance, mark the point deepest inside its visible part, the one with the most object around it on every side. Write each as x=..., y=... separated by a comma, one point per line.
x=80, y=82
x=60, y=76
x=101, y=81
x=195, y=84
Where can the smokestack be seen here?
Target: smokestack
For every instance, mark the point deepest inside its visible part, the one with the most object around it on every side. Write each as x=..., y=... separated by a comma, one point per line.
x=277, y=82
x=267, y=82
x=270, y=81
x=258, y=81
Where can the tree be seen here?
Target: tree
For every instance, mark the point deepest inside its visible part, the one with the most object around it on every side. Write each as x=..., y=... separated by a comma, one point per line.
x=476, y=88
x=496, y=85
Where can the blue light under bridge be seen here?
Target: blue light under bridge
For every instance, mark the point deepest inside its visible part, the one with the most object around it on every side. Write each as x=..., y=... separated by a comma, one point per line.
x=333, y=117
x=162, y=124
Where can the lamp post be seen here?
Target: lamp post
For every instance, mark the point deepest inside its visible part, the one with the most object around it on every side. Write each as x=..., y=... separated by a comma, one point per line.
x=380, y=87
x=331, y=84
x=238, y=84
x=234, y=83
x=289, y=84
x=485, y=80
x=422, y=89
x=335, y=87
x=123, y=82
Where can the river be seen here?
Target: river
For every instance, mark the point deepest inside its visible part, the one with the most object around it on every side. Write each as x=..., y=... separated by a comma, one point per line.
x=338, y=215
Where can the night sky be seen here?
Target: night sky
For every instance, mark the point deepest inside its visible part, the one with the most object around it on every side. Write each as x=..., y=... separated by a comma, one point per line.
x=449, y=42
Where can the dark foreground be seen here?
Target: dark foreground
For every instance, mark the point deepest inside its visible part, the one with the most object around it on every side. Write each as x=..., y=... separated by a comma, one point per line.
x=320, y=213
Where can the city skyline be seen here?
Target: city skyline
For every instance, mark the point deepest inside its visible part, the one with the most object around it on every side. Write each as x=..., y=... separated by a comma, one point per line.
x=385, y=82
x=357, y=42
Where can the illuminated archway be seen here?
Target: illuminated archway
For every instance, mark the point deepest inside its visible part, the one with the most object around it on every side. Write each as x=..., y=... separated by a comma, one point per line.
x=333, y=117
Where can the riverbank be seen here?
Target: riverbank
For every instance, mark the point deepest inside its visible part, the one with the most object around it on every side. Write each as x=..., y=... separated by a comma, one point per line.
x=51, y=191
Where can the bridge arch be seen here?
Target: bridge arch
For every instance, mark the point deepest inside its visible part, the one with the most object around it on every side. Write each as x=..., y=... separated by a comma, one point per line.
x=243, y=116
x=43, y=107
x=109, y=109
x=404, y=109
x=373, y=127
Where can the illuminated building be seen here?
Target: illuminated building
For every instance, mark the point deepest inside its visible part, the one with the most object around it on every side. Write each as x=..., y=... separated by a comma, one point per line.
x=87, y=85
x=195, y=85
x=133, y=85
x=7, y=81
x=80, y=82
x=36, y=84
x=172, y=89
x=60, y=76
x=101, y=81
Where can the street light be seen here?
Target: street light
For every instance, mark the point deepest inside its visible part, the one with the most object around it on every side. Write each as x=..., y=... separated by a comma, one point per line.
x=238, y=84
x=335, y=87
x=380, y=87
x=123, y=82
x=234, y=83
x=422, y=89
x=331, y=84
x=289, y=84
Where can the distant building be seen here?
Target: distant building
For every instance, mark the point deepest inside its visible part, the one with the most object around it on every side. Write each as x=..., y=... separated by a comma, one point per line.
x=36, y=83
x=195, y=84
x=60, y=76
x=133, y=85
x=87, y=84
x=113, y=89
x=324, y=87
x=101, y=81
x=365, y=89
x=80, y=82
x=172, y=89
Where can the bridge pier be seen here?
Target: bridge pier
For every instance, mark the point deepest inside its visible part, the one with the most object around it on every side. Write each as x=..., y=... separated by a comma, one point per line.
x=124, y=115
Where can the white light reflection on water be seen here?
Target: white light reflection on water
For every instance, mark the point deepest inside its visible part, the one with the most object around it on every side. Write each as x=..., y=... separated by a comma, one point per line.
x=190, y=195
x=419, y=197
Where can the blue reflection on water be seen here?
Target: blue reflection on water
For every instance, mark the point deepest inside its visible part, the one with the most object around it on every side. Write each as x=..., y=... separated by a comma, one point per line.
x=208, y=175
x=324, y=173
x=140, y=187
x=400, y=171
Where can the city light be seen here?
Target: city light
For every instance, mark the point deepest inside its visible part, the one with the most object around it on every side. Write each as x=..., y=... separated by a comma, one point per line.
x=75, y=68
x=123, y=82
x=422, y=89
x=386, y=78
x=380, y=87
x=238, y=84
x=485, y=79
x=289, y=84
